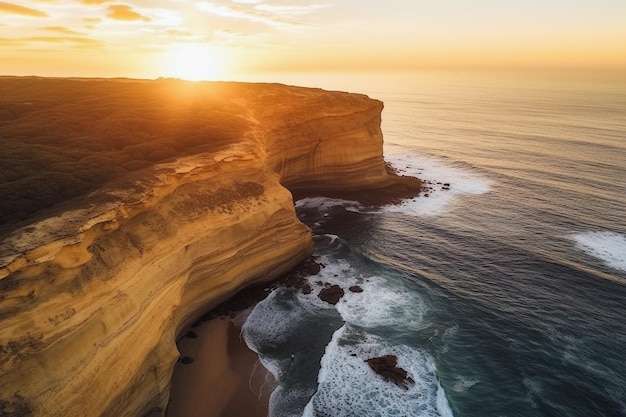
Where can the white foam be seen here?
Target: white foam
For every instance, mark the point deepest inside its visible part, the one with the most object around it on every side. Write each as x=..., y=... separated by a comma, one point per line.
x=434, y=173
x=347, y=386
x=283, y=402
x=262, y=324
x=385, y=305
x=448, y=183
x=462, y=384
x=534, y=389
x=333, y=238
x=533, y=385
x=382, y=303
x=451, y=332
x=442, y=403
x=270, y=323
x=609, y=247
x=324, y=204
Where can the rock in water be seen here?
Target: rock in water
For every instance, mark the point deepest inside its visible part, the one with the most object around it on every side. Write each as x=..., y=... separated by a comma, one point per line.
x=332, y=294
x=386, y=366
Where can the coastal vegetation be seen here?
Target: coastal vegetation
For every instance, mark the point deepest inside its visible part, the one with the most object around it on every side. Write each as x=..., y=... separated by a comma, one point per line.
x=64, y=138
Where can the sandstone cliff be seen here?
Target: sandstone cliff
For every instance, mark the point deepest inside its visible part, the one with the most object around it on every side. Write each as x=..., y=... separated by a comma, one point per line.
x=93, y=295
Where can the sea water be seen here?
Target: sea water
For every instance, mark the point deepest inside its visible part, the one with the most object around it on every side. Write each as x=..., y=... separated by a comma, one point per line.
x=501, y=293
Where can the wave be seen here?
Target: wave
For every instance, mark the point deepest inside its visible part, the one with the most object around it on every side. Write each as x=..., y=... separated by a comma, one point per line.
x=325, y=204
x=317, y=351
x=349, y=387
x=378, y=302
x=462, y=384
x=444, y=183
x=609, y=247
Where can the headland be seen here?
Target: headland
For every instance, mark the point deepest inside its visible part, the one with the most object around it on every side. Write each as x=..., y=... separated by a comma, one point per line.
x=133, y=206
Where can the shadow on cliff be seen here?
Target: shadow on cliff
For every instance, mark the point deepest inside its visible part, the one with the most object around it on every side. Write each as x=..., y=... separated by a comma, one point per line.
x=392, y=191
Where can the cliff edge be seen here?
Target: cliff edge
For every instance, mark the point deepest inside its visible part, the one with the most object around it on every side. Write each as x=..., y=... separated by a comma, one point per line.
x=94, y=291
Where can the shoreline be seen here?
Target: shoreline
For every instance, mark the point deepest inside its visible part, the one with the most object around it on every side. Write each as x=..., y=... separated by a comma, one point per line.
x=225, y=379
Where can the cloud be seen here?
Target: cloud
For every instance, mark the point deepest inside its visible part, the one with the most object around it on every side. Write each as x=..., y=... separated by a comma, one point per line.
x=60, y=39
x=235, y=38
x=232, y=33
x=10, y=42
x=29, y=41
x=289, y=10
x=275, y=16
x=20, y=10
x=177, y=33
x=166, y=17
x=61, y=29
x=125, y=13
x=95, y=2
x=91, y=20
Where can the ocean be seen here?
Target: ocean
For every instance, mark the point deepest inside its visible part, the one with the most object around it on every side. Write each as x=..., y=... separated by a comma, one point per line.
x=501, y=293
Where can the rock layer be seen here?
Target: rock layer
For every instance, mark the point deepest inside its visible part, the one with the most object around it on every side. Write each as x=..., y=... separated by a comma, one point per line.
x=92, y=299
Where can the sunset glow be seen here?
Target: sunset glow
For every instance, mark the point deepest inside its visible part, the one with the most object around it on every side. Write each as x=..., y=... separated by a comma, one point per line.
x=222, y=39
x=194, y=62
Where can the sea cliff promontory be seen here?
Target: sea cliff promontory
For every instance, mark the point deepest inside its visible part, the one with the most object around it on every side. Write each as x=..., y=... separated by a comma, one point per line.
x=161, y=199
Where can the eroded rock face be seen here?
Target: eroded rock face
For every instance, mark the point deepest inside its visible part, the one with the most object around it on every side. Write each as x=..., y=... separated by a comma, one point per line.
x=92, y=299
x=111, y=320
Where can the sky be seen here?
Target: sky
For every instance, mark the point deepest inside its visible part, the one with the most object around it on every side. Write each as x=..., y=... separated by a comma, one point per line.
x=227, y=39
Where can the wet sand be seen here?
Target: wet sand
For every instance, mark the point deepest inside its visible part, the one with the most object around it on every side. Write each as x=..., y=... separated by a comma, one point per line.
x=225, y=378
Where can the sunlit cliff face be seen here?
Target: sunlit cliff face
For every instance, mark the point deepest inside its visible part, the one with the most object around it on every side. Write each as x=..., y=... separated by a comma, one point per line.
x=136, y=205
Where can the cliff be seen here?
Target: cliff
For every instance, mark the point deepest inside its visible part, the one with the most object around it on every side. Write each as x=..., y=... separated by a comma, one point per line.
x=94, y=292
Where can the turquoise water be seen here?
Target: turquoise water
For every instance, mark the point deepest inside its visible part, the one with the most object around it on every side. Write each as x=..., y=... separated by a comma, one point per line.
x=502, y=296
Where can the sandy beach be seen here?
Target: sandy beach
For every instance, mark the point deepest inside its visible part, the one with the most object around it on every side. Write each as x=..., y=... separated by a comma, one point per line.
x=225, y=378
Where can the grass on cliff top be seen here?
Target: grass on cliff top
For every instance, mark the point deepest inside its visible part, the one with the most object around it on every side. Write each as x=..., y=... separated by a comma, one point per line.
x=63, y=138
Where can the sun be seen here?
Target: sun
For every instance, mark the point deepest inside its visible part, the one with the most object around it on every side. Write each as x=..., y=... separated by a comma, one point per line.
x=194, y=62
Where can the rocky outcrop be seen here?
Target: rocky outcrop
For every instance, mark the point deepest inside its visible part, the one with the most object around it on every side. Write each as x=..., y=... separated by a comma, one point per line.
x=331, y=294
x=92, y=298
x=387, y=367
